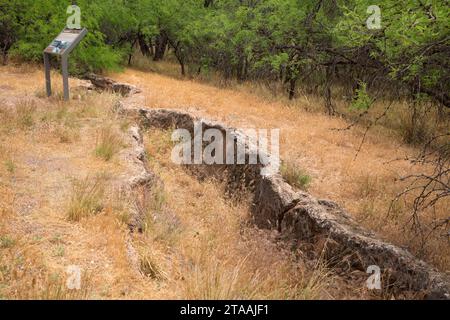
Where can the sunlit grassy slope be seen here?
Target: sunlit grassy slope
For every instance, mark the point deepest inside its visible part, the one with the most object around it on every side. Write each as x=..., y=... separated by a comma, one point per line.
x=60, y=208
x=365, y=185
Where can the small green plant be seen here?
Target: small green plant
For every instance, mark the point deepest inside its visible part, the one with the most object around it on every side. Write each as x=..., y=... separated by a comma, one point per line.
x=62, y=113
x=369, y=186
x=56, y=239
x=109, y=143
x=87, y=198
x=59, y=251
x=368, y=209
x=10, y=166
x=124, y=217
x=54, y=287
x=362, y=101
x=6, y=242
x=66, y=135
x=158, y=223
x=295, y=176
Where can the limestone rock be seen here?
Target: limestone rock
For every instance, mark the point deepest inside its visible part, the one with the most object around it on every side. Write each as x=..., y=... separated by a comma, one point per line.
x=322, y=223
x=104, y=83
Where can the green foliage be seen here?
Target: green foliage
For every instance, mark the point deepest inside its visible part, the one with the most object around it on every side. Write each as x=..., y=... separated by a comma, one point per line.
x=412, y=44
x=295, y=176
x=362, y=100
x=280, y=40
x=36, y=23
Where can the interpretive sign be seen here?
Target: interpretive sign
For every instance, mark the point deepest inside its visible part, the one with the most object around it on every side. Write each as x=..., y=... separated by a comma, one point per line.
x=66, y=41
x=61, y=46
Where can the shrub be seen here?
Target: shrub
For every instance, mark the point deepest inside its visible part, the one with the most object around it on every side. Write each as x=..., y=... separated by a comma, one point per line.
x=295, y=176
x=362, y=101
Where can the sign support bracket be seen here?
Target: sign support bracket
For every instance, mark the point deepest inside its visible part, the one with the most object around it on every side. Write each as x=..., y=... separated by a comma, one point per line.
x=48, y=81
x=65, y=75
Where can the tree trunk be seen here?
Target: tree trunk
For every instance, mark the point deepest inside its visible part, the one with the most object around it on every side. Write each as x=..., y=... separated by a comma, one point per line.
x=327, y=92
x=5, y=50
x=5, y=58
x=180, y=59
x=161, y=42
x=242, y=68
x=245, y=68
x=152, y=51
x=145, y=49
x=130, y=56
x=183, y=71
x=208, y=3
x=292, y=84
x=291, y=78
x=178, y=54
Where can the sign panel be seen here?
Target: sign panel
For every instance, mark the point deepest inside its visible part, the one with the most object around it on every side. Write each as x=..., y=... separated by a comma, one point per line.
x=65, y=41
x=62, y=45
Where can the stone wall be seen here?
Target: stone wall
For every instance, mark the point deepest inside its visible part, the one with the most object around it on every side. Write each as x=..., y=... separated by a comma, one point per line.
x=298, y=216
x=318, y=225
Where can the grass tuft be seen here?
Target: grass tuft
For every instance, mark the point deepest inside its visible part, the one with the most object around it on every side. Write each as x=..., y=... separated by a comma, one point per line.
x=87, y=198
x=10, y=166
x=295, y=176
x=109, y=143
x=150, y=268
x=25, y=111
x=19, y=117
x=6, y=242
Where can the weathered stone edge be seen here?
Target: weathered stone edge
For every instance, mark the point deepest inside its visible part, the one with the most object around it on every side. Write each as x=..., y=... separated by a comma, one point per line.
x=298, y=214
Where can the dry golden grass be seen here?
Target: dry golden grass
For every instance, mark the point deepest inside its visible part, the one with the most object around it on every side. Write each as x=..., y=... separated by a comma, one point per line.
x=39, y=161
x=196, y=244
x=24, y=273
x=174, y=252
x=295, y=176
x=308, y=142
x=396, y=122
x=213, y=252
x=87, y=198
x=109, y=142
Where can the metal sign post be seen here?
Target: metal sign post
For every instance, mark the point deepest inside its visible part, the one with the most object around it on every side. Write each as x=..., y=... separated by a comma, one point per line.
x=61, y=46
